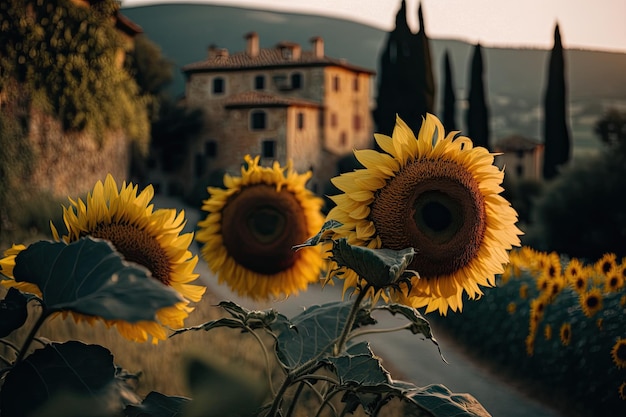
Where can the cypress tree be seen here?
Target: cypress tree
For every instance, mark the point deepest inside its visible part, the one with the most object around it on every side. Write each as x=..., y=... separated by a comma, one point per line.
x=426, y=66
x=385, y=111
x=405, y=81
x=477, y=115
x=555, y=130
x=448, y=112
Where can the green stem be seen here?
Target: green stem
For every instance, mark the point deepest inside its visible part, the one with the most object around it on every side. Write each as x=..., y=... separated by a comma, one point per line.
x=327, y=402
x=267, y=359
x=294, y=401
x=31, y=335
x=343, y=338
x=279, y=396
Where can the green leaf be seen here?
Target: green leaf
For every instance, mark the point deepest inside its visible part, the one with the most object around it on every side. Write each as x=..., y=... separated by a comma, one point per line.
x=312, y=333
x=157, y=405
x=419, y=325
x=13, y=312
x=322, y=236
x=441, y=402
x=242, y=318
x=89, y=277
x=379, y=267
x=59, y=368
x=254, y=319
x=358, y=366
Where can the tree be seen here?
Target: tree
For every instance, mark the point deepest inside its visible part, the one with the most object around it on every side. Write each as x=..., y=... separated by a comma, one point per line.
x=64, y=57
x=555, y=130
x=611, y=129
x=448, y=111
x=477, y=115
x=406, y=84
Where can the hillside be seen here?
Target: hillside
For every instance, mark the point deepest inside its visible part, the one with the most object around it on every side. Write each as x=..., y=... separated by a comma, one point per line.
x=514, y=77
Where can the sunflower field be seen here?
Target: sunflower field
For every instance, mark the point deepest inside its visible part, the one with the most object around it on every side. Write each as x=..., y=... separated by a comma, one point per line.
x=557, y=324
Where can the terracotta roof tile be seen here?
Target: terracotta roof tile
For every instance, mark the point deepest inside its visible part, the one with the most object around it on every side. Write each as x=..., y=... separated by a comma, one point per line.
x=262, y=99
x=516, y=143
x=268, y=57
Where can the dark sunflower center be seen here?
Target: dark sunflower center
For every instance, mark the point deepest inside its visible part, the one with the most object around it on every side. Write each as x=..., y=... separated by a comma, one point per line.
x=261, y=225
x=437, y=215
x=435, y=207
x=592, y=302
x=137, y=246
x=266, y=224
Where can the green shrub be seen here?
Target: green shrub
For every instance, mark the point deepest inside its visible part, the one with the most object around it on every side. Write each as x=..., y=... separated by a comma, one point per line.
x=582, y=213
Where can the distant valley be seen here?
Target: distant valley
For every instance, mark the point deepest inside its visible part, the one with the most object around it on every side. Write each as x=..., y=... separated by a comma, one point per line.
x=514, y=77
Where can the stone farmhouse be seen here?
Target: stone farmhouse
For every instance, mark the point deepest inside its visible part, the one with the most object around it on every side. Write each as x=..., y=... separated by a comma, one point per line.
x=522, y=157
x=282, y=103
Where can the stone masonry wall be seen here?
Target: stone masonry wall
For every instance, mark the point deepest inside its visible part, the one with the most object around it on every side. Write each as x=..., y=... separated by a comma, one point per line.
x=69, y=164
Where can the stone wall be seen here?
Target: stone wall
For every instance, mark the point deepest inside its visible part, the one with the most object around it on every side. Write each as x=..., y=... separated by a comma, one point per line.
x=70, y=163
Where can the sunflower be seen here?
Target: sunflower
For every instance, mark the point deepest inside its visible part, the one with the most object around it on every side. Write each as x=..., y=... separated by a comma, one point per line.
x=618, y=353
x=605, y=263
x=573, y=271
x=591, y=301
x=621, y=390
x=565, y=334
x=252, y=226
x=141, y=235
x=439, y=195
x=614, y=281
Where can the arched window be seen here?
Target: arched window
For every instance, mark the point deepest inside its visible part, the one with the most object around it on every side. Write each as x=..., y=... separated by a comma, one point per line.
x=218, y=85
x=258, y=120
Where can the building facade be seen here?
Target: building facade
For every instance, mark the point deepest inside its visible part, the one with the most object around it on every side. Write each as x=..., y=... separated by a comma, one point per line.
x=282, y=103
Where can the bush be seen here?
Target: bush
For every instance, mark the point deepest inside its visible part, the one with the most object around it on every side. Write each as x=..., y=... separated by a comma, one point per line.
x=581, y=212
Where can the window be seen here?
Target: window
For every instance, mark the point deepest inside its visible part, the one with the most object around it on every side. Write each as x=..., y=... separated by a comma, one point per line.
x=343, y=139
x=356, y=121
x=300, y=121
x=333, y=120
x=258, y=120
x=296, y=81
x=218, y=85
x=268, y=149
x=336, y=83
x=210, y=148
x=355, y=85
x=259, y=82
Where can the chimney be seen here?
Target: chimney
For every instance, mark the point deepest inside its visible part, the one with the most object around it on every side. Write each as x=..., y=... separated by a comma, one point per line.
x=212, y=51
x=252, y=44
x=318, y=46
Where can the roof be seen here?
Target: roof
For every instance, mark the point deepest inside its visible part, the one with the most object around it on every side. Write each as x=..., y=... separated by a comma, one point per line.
x=515, y=143
x=262, y=99
x=268, y=58
x=126, y=25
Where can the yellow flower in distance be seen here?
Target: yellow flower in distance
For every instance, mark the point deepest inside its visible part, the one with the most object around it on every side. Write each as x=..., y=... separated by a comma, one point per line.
x=252, y=226
x=618, y=353
x=148, y=237
x=439, y=195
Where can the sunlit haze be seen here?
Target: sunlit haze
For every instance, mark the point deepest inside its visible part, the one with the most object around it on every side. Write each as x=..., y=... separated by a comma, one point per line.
x=584, y=24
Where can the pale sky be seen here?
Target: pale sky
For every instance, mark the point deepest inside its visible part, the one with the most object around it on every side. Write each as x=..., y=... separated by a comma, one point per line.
x=586, y=24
